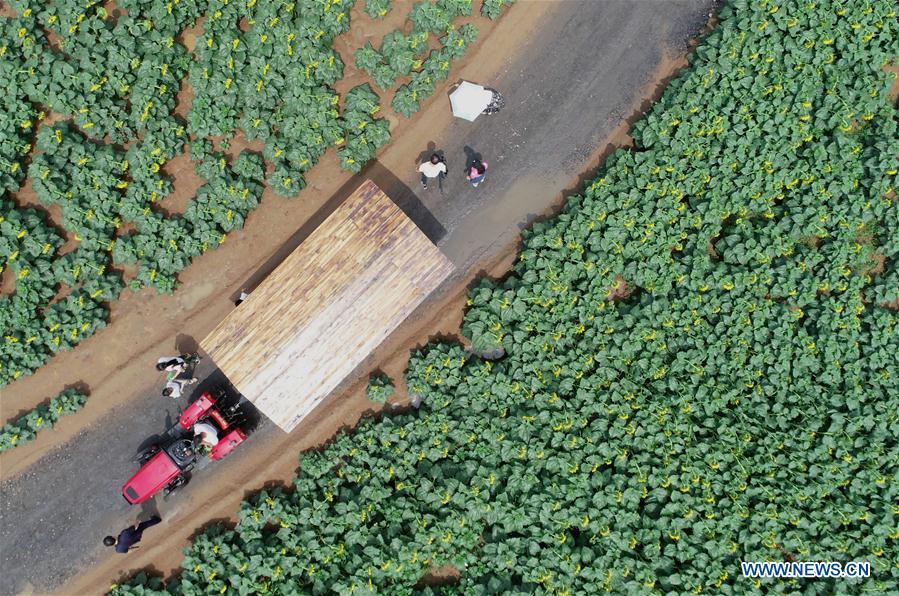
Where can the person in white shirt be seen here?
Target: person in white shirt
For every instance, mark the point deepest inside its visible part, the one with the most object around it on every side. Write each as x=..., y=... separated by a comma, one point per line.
x=243, y=296
x=171, y=364
x=174, y=388
x=207, y=434
x=433, y=168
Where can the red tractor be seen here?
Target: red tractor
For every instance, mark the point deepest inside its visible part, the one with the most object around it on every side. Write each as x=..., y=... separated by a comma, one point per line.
x=167, y=466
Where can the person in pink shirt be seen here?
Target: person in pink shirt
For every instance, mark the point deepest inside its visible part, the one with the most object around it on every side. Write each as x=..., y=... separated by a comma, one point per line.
x=476, y=172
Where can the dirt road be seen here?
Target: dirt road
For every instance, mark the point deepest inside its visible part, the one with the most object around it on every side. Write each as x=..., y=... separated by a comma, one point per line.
x=572, y=72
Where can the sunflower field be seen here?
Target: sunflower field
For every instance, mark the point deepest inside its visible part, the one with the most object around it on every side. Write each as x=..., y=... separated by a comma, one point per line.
x=699, y=363
x=92, y=116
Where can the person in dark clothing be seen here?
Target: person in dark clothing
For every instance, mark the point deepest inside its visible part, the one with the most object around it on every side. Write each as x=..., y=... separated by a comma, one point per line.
x=131, y=535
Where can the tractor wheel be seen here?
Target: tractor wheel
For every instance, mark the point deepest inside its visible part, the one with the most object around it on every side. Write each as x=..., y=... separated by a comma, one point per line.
x=147, y=454
x=175, y=485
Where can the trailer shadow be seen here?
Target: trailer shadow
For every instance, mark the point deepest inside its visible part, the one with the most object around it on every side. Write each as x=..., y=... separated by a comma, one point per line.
x=215, y=382
x=406, y=199
x=393, y=187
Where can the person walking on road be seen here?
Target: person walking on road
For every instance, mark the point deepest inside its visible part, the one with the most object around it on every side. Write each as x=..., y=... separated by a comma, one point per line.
x=131, y=535
x=174, y=388
x=476, y=172
x=435, y=167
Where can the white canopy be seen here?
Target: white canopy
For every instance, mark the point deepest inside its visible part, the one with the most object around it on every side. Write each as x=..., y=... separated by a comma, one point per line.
x=469, y=100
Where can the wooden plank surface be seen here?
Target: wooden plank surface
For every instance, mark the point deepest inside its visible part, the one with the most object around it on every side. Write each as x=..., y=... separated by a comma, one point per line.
x=327, y=306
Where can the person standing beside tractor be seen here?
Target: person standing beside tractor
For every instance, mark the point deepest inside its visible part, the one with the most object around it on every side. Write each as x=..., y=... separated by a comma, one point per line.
x=174, y=365
x=174, y=388
x=206, y=434
x=177, y=365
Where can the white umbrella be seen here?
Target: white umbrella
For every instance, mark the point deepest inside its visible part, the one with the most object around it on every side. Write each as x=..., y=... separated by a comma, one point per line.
x=469, y=100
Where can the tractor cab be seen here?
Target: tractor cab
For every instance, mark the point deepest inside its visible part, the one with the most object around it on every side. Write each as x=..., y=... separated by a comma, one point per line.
x=166, y=466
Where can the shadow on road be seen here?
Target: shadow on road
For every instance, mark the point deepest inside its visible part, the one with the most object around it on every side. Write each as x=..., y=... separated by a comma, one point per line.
x=149, y=508
x=406, y=200
x=472, y=157
x=150, y=441
x=392, y=186
x=186, y=344
x=427, y=153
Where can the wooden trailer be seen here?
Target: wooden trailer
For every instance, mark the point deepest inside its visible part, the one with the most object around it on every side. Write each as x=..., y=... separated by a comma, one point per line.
x=327, y=306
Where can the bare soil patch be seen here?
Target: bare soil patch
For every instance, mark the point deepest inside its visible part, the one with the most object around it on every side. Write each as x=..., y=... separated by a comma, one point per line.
x=185, y=183
x=620, y=290
x=894, y=90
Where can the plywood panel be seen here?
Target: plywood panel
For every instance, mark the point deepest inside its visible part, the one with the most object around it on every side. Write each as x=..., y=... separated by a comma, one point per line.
x=322, y=311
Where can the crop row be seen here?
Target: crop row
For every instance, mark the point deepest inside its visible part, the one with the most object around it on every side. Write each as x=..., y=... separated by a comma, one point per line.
x=402, y=55
x=409, y=55
x=26, y=427
x=700, y=362
x=407, y=99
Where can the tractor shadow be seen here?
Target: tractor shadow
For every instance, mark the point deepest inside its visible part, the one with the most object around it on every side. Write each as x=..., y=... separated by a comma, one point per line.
x=148, y=509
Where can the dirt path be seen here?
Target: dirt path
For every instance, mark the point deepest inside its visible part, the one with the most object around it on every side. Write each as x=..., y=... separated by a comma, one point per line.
x=572, y=74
